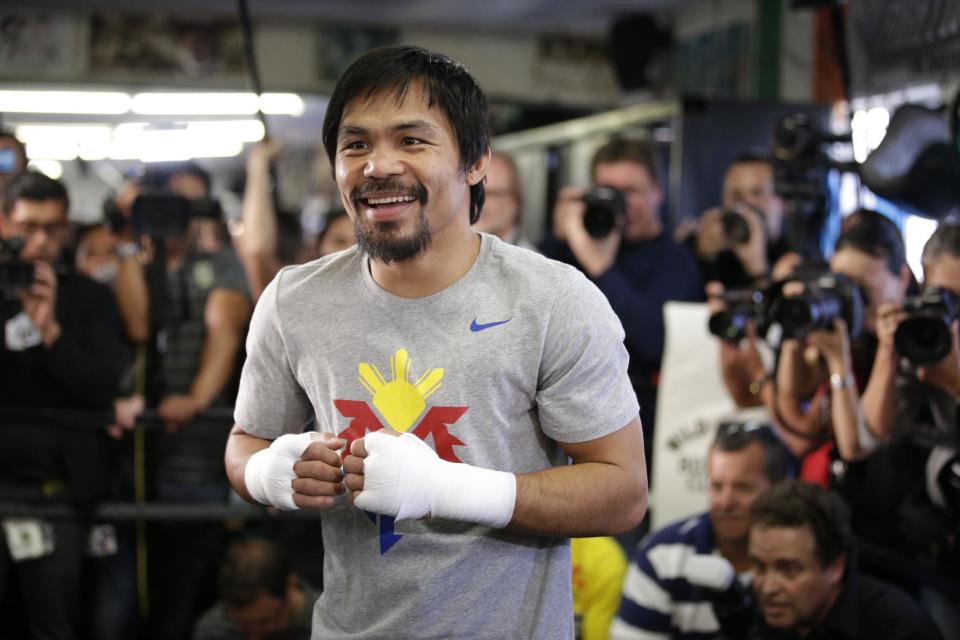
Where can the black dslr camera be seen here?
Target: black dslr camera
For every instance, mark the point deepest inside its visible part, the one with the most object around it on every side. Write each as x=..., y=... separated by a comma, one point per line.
x=924, y=336
x=827, y=297
x=14, y=273
x=743, y=307
x=606, y=210
x=735, y=228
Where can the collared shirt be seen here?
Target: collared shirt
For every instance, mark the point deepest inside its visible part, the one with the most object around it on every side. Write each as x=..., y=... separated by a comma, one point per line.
x=658, y=602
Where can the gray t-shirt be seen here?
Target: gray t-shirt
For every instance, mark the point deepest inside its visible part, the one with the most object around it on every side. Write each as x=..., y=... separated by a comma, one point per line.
x=519, y=354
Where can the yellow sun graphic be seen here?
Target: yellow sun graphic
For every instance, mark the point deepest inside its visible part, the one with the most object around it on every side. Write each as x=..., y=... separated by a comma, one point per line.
x=398, y=401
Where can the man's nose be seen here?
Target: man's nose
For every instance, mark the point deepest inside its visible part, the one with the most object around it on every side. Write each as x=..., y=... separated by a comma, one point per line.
x=382, y=163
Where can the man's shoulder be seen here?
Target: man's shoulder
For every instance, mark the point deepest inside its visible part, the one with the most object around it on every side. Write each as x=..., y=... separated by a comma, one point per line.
x=533, y=270
x=689, y=530
x=879, y=607
x=215, y=625
x=326, y=271
x=77, y=289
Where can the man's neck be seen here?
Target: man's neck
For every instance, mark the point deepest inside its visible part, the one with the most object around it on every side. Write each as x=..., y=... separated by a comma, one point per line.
x=807, y=628
x=446, y=260
x=736, y=553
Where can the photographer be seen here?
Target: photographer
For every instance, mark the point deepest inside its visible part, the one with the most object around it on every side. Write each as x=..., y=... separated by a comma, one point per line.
x=636, y=265
x=61, y=349
x=905, y=491
x=738, y=243
x=819, y=376
x=804, y=577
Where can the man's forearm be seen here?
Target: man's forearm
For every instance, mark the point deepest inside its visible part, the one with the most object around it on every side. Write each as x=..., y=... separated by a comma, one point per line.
x=240, y=446
x=603, y=493
x=580, y=500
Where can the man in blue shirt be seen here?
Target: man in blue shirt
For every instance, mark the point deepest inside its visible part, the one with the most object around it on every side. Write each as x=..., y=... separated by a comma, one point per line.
x=637, y=265
x=660, y=599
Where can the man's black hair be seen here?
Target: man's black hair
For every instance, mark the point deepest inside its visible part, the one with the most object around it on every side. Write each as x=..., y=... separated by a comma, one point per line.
x=778, y=463
x=626, y=150
x=874, y=234
x=753, y=156
x=252, y=567
x=32, y=185
x=945, y=241
x=795, y=504
x=446, y=84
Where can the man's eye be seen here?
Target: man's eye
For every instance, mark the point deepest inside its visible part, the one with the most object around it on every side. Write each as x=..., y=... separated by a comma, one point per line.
x=408, y=141
x=354, y=144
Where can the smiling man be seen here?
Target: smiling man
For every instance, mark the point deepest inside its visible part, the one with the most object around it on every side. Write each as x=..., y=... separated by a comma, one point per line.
x=504, y=367
x=660, y=598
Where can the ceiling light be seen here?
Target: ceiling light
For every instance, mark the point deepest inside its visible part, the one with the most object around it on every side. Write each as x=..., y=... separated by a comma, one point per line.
x=49, y=168
x=167, y=104
x=281, y=104
x=72, y=102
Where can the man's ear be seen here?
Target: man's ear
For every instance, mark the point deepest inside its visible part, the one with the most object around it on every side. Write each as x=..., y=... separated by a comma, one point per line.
x=478, y=171
x=836, y=569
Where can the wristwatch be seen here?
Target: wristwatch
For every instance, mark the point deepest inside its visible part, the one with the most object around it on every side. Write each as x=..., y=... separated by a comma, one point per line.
x=839, y=381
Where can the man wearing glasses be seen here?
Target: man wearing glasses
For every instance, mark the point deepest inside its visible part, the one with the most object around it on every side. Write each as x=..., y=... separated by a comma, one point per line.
x=661, y=598
x=61, y=349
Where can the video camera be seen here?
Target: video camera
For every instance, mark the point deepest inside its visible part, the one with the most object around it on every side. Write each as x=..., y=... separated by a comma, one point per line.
x=162, y=213
x=924, y=336
x=826, y=297
x=15, y=273
x=606, y=210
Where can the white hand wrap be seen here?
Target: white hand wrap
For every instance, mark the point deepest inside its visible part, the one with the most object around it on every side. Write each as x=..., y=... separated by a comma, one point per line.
x=269, y=472
x=404, y=477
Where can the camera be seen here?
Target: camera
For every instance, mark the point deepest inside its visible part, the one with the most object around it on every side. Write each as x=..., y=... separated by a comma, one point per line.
x=827, y=297
x=606, y=210
x=14, y=273
x=743, y=307
x=924, y=336
x=735, y=227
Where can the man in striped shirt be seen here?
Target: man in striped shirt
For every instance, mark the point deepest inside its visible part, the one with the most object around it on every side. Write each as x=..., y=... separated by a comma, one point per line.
x=659, y=601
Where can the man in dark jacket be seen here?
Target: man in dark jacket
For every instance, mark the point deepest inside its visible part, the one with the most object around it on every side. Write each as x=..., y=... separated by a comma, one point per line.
x=61, y=350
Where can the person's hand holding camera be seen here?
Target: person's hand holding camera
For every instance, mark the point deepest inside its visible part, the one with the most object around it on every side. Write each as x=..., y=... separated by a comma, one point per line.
x=595, y=255
x=834, y=346
x=751, y=252
x=40, y=302
x=945, y=374
x=710, y=237
x=889, y=316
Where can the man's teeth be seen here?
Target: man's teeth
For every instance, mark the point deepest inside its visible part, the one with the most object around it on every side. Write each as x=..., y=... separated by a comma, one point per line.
x=390, y=200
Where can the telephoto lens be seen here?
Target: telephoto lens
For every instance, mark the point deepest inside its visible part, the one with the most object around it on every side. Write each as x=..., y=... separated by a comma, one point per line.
x=924, y=336
x=606, y=210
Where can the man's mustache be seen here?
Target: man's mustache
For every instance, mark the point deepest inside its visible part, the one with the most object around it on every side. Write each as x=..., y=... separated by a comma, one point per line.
x=390, y=185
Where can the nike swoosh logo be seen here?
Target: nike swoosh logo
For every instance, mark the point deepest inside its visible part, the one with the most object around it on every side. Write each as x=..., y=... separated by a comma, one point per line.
x=475, y=326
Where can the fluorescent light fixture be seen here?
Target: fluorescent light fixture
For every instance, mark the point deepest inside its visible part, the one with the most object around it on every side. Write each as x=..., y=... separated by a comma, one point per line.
x=242, y=130
x=50, y=168
x=63, y=132
x=52, y=150
x=282, y=104
x=212, y=104
x=72, y=102
x=216, y=104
